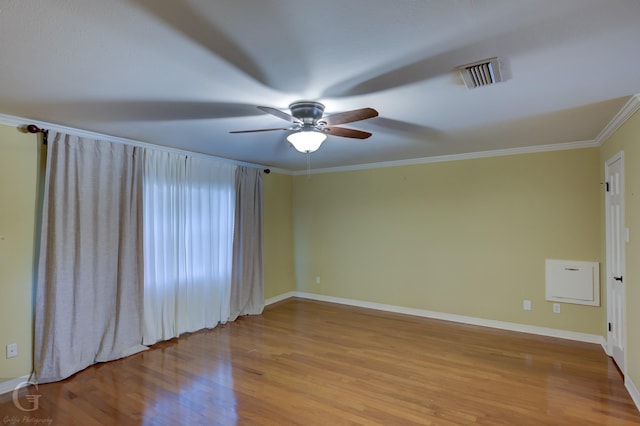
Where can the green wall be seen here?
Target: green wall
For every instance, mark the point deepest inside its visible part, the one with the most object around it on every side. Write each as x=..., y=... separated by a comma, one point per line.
x=627, y=139
x=278, y=235
x=465, y=237
x=19, y=174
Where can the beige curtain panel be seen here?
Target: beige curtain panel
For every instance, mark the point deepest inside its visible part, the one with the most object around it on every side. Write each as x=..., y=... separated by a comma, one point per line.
x=247, y=280
x=89, y=297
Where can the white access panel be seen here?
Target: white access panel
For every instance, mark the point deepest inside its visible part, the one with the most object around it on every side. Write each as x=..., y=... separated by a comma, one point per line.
x=572, y=281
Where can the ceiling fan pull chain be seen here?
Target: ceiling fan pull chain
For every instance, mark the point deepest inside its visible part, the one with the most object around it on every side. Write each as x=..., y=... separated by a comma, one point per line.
x=308, y=165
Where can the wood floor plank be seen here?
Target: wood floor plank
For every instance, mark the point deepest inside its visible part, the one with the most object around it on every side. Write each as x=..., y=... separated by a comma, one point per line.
x=306, y=362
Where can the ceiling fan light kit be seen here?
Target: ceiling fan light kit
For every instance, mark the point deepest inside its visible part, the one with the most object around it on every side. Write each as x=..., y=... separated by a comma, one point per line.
x=310, y=126
x=306, y=141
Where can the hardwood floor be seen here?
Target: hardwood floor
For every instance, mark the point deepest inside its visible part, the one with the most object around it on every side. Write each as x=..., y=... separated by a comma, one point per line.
x=309, y=363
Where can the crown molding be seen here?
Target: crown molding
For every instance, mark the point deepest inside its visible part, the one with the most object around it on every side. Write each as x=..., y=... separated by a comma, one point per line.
x=11, y=120
x=630, y=108
x=632, y=105
x=456, y=157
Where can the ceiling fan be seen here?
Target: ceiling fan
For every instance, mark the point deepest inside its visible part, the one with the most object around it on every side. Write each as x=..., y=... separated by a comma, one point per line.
x=310, y=127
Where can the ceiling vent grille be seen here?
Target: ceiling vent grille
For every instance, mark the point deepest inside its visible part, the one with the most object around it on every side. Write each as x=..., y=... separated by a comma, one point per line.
x=481, y=73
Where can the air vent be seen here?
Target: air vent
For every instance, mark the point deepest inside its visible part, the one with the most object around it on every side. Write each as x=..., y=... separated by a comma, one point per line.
x=481, y=73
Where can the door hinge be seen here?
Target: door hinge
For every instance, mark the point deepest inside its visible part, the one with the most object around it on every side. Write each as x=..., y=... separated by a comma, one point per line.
x=606, y=186
x=610, y=327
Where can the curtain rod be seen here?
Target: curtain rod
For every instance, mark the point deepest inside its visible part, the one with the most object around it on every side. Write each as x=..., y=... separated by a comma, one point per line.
x=32, y=128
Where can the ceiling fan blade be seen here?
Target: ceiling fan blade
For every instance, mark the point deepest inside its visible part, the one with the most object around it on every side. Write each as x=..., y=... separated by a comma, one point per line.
x=350, y=116
x=279, y=114
x=260, y=130
x=347, y=133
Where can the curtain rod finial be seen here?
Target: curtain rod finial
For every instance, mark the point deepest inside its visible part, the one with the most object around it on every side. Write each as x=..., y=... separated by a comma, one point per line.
x=32, y=128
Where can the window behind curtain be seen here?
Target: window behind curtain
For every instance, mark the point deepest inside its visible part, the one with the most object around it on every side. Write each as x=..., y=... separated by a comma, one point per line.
x=188, y=206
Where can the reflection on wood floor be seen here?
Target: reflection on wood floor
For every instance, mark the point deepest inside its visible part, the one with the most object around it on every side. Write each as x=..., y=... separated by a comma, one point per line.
x=305, y=362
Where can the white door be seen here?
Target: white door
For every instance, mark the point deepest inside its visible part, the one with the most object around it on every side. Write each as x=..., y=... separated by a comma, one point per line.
x=616, y=237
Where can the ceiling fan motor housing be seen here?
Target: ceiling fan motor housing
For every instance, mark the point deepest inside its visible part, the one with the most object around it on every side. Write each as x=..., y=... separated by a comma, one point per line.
x=307, y=112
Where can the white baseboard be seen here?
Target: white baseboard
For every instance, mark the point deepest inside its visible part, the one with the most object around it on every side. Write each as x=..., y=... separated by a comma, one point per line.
x=279, y=298
x=11, y=385
x=522, y=328
x=633, y=391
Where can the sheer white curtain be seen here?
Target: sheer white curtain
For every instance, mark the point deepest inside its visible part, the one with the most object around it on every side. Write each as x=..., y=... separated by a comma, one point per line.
x=188, y=243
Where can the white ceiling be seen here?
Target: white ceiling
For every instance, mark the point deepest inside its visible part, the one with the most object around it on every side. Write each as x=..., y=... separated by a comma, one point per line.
x=184, y=73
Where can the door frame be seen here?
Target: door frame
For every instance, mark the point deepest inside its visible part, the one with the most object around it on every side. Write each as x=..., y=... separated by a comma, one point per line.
x=608, y=274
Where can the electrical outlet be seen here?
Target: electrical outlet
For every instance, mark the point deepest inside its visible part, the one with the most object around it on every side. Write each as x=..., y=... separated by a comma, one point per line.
x=317, y=280
x=556, y=308
x=526, y=305
x=12, y=350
